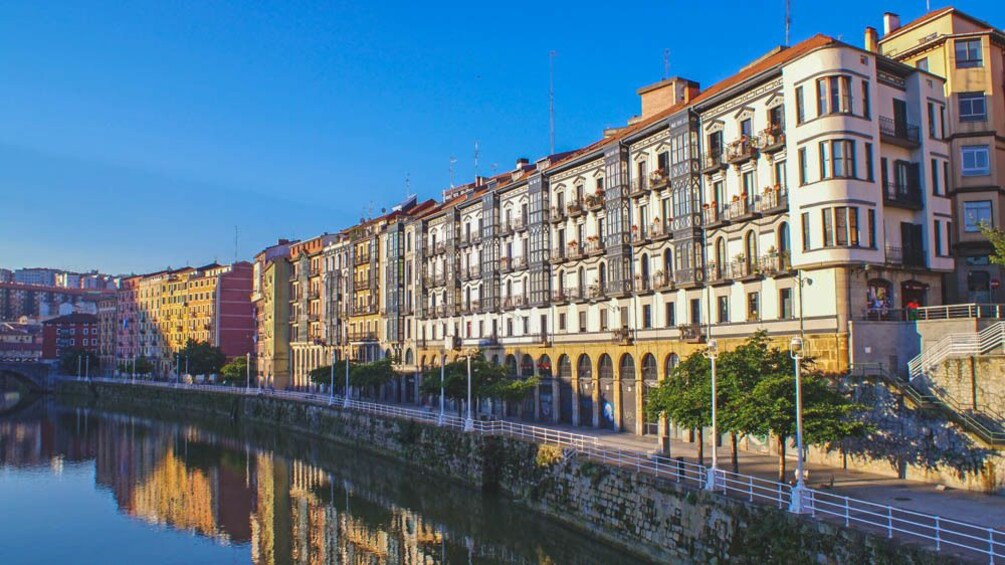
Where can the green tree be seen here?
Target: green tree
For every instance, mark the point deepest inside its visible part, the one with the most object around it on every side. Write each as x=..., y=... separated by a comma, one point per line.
x=71, y=359
x=202, y=358
x=488, y=380
x=323, y=375
x=235, y=372
x=370, y=377
x=769, y=408
x=737, y=372
x=685, y=397
x=997, y=239
x=140, y=366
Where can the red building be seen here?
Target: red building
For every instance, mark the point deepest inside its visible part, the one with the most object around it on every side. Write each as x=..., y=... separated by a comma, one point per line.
x=74, y=331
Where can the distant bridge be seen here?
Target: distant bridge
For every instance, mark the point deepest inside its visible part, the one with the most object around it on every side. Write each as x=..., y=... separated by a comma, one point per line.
x=38, y=377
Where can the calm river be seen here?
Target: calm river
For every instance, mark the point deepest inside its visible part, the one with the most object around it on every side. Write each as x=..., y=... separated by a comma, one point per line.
x=81, y=486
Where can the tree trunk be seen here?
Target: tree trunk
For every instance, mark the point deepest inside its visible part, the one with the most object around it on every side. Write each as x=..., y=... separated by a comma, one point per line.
x=701, y=446
x=781, y=459
x=735, y=456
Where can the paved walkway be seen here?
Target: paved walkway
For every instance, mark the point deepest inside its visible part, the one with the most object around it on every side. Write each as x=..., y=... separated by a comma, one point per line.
x=976, y=508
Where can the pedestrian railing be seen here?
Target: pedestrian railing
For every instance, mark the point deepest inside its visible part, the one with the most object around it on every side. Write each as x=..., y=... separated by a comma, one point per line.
x=890, y=520
x=989, y=340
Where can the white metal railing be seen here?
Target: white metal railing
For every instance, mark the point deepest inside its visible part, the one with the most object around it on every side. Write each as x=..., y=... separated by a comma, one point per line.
x=948, y=311
x=939, y=531
x=958, y=345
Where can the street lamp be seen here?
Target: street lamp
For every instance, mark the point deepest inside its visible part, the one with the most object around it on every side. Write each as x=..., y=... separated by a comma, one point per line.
x=443, y=370
x=797, y=504
x=712, y=352
x=469, y=423
x=331, y=392
x=345, y=400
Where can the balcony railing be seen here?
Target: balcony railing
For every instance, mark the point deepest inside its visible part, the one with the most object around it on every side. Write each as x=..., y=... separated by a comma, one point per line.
x=557, y=214
x=519, y=224
x=519, y=263
x=663, y=281
x=557, y=256
x=771, y=139
x=905, y=257
x=574, y=209
x=558, y=296
x=623, y=336
x=713, y=161
x=643, y=284
x=596, y=292
x=659, y=179
x=639, y=236
x=740, y=150
x=505, y=264
x=713, y=215
x=594, y=247
x=776, y=263
x=573, y=250
x=639, y=187
x=691, y=332
x=773, y=199
x=719, y=273
x=898, y=132
x=905, y=195
x=440, y=247
x=741, y=208
x=658, y=230
x=594, y=202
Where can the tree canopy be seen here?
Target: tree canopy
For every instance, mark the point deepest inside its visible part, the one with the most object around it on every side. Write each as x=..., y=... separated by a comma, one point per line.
x=72, y=360
x=203, y=358
x=488, y=380
x=235, y=372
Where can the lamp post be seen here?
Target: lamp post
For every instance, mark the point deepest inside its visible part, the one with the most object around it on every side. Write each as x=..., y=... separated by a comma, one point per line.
x=345, y=400
x=469, y=423
x=247, y=363
x=712, y=353
x=797, y=505
x=443, y=370
x=331, y=392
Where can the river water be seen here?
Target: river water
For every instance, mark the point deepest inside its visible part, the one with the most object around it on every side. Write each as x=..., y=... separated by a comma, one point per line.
x=83, y=486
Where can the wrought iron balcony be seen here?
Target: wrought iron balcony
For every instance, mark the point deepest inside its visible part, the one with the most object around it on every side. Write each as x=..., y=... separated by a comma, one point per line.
x=623, y=336
x=574, y=209
x=713, y=161
x=771, y=139
x=777, y=263
x=643, y=285
x=905, y=257
x=898, y=132
x=659, y=230
x=557, y=214
x=740, y=151
x=505, y=264
x=902, y=195
x=639, y=236
x=557, y=256
x=639, y=187
x=773, y=199
x=663, y=281
x=659, y=179
x=595, y=201
x=719, y=273
x=713, y=216
x=692, y=333
x=594, y=247
x=519, y=224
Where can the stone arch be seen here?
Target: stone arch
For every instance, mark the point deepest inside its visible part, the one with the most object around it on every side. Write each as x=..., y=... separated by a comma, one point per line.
x=584, y=367
x=670, y=364
x=606, y=367
x=409, y=357
x=564, y=367
x=584, y=372
x=544, y=366
x=511, y=366
x=526, y=365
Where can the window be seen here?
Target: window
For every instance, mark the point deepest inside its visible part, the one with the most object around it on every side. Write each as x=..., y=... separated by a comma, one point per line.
x=931, y=121
x=647, y=316
x=780, y=180
x=872, y=228
x=833, y=95
x=603, y=318
x=825, y=163
x=837, y=159
x=753, y=306
x=938, y=238
x=866, y=108
x=582, y=322
x=671, y=315
x=723, y=309
x=975, y=213
x=845, y=225
x=868, y=163
x=973, y=106
x=945, y=176
x=561, y=322
x=785, y=304
x=802, y=166
x=975, y=160
x=968, y=53
x=805, y=218
x=935, y=177
x=695, y=310
x=800, y=106
x=828, y=227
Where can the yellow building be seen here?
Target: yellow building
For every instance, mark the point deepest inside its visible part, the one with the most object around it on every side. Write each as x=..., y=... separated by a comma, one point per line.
x=271, y=298
x=970, y=55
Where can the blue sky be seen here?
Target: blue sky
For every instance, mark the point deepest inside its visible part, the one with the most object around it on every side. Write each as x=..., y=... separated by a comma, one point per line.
x=137, y=135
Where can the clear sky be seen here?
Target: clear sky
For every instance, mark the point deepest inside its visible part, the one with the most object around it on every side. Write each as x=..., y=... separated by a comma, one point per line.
x=137, y=135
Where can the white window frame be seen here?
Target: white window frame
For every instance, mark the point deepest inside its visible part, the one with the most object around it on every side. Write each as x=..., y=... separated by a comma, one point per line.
x=980, y=160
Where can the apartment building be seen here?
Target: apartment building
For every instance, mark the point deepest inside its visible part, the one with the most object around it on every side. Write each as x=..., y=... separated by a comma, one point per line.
x=159, y=313
x=310, y=347
x=968, y=53
x=271, y=301
x=709, y=215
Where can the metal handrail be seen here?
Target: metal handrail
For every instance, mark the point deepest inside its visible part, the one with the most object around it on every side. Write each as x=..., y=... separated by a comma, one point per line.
x=983, y=540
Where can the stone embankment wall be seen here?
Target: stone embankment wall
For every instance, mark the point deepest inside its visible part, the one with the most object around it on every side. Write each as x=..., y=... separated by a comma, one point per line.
x=647, y=516
x=976, y=383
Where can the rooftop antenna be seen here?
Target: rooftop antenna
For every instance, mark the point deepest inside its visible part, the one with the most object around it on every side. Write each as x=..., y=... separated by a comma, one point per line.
x=235, y=244
x=452, y=161
x=476, y=158
x=408, y=185
x=666, y=64
x=788, y=20
x=551, y=99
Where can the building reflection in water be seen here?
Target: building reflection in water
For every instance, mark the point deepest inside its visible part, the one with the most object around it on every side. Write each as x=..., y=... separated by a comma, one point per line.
x=282, y=509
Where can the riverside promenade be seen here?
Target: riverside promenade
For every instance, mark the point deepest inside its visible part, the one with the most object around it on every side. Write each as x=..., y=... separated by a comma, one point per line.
x=957, y=523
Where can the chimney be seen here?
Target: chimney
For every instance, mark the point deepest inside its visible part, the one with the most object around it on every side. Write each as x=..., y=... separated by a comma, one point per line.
x=666, y=93
x=891, y=23
x=522, y=162
x=871, y=39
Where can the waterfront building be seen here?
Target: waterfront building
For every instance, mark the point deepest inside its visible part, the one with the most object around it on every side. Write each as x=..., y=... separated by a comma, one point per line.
x=271, y=301
x=308, y=318
x=598, y=269
x=107, y=331
x=969, y=54
x=37, y=302
x=74, y=331
x=20, y=341
x=160, y=312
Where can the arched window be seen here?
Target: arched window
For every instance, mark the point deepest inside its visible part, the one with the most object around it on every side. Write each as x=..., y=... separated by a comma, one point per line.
x=644, y=271
x=409, y=357
x=422, y=361
x=527, y=366
x=584, y=367
x=564, y=367
x=750, y=249
x=544, y=367
x=783, y=239
x=581, y=280
x=602, y=278
x=668, y=262
x=495, y=359
x=671, y=363
x=606, y=367
x=720, y=256
x=626, y=370
x=511, y=368
x=649, y=370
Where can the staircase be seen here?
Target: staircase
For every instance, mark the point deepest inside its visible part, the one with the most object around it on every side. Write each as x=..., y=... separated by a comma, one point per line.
x=987, y=427
x=984, y=342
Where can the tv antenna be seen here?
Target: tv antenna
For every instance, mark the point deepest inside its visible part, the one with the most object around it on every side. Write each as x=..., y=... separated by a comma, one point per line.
x=788, y=20
x=235, y=244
